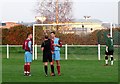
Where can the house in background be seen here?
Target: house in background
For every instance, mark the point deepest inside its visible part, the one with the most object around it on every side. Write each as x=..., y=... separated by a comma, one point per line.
x=8, y=25
x=85, y=26
x=79, y=26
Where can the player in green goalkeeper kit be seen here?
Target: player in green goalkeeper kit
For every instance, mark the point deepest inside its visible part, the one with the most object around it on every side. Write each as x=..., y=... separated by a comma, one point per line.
x=109, y=50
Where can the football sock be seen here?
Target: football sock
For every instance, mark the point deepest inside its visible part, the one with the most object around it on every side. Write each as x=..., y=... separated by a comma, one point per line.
x=46, y=69
x=52, y=68
x=106, y=59
x=25, y=69
x=58, y=69
x=28, y=68
x=112, y=60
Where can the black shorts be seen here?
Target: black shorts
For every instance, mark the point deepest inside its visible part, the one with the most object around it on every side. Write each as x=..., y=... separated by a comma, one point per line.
x=47, y=56
x=109, y=52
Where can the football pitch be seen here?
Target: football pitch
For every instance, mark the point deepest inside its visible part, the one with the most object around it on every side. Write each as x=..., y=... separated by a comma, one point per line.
x=82, y=66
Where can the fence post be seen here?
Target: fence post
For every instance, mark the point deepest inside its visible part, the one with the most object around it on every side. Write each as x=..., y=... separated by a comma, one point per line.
x=33, y=41
x=7, y=51
x=98, y=51
x=35, y=51
x=65, y=51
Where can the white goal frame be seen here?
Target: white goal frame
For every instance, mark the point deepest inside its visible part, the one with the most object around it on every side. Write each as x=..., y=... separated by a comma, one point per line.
x=34, y=25
x=43, y=25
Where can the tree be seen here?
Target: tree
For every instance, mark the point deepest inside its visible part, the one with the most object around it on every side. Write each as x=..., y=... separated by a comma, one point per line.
x=55, y=10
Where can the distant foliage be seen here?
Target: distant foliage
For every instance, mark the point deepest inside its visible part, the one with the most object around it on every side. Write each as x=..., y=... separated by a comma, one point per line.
x=16, y=36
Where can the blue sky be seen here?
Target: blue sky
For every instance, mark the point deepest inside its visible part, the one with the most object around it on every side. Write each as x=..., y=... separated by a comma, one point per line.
x=23, y=10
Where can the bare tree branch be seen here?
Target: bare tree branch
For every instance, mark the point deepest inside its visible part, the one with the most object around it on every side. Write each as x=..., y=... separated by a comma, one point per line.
x=47, y=8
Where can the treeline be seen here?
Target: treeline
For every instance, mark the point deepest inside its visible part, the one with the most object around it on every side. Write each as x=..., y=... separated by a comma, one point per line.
x=16, y=36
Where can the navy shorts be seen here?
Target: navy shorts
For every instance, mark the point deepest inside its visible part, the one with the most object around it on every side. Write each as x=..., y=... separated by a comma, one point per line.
x=109, y=52
x=47, y=56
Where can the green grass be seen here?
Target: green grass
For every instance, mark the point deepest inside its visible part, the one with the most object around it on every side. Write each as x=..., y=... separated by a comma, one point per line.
x=82, y=66
x=72, y=71
x=74, y=53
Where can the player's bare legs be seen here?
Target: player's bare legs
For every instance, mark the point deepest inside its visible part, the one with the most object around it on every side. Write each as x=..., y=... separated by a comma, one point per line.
x=53, y=62
x=58, y=67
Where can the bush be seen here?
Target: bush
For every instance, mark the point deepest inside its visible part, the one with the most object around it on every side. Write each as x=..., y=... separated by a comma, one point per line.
x=16, y=36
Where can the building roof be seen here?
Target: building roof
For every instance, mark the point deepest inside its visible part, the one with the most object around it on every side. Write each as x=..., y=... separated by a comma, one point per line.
x=88, y=20
x=27, y=23
x=8, y=25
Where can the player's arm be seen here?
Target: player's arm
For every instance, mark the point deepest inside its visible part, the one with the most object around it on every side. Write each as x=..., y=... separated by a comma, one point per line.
x=42, y=46
x=52, y=46
x=30, y=46
x=59, y=44
x=107, y=44
x=106, y=48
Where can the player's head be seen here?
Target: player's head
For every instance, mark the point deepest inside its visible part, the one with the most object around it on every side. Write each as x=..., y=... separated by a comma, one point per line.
x=29, y=35
x=46, y=37
x=108, y=35
x=52, y=34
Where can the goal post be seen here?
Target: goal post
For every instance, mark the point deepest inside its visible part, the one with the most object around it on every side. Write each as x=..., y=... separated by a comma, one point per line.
x=111, y=26
x=66, y=47
x=34, y=25
x=111, y=34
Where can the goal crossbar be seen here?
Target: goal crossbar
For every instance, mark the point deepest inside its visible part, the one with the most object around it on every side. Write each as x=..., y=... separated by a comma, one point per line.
x=34, y=25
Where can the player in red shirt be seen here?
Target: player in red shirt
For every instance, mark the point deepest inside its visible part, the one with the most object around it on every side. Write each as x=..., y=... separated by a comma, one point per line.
x=56, y=55
x=27, y=46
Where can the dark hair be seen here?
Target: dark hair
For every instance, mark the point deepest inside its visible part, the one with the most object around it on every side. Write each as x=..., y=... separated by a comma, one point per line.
x=53, y=32
x=28, y=34
x=46, y=37
x=108, y=34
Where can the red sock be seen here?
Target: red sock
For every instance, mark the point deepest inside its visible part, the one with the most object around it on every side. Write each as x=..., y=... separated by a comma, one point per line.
x=25, y=68
x=58, y=69
x=28, y=68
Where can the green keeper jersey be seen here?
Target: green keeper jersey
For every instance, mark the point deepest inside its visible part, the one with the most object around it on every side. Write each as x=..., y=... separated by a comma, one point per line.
x=109, y=43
